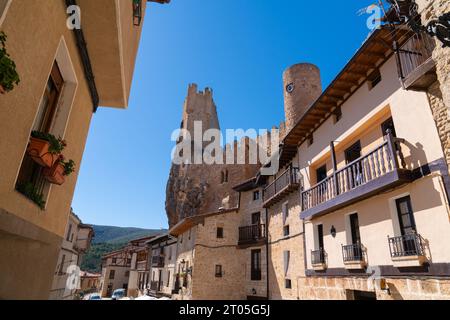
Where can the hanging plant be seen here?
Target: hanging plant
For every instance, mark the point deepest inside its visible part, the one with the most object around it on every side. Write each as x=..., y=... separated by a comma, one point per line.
x=31, y=192
x=57, y=145
x=69, y=166
x=8, y=74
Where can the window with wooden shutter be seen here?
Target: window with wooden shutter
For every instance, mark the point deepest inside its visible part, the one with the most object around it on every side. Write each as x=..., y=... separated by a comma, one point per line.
x=31, y=181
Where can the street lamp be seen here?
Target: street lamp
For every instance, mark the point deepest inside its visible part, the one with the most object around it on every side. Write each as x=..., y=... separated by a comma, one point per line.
x=406, y=12
x=137, y=12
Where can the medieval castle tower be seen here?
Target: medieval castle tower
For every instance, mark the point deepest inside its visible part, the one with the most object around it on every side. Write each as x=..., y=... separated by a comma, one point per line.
x=195, y=189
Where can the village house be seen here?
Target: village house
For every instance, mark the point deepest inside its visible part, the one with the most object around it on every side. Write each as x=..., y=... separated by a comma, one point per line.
x=115, y=271
x=373, y=192
x=208, y=259
x=74, y=246
x=162, y=257
x=65, y=76
x=252, y=238
x=139, y=268
x=89, y=282
x=126, y=268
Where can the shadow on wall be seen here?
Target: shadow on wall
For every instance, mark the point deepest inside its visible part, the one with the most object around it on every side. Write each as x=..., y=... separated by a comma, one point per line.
x=395, y=294
x=417, y=156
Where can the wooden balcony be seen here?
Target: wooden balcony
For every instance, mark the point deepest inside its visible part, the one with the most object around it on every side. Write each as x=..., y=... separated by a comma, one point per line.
x=251, y=235
x=286, y=183
x=377, y=171
x=416, y=66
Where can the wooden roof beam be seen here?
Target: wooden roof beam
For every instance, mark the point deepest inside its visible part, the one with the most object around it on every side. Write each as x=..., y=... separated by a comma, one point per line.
x=357, y=74
x=336, y=97
x=374, y=54
x=350, y=83
x=327, y=104
x=366, y=65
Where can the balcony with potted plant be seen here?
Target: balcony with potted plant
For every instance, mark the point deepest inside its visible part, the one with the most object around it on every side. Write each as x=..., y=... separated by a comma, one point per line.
x=44, y=163
x=45, y=149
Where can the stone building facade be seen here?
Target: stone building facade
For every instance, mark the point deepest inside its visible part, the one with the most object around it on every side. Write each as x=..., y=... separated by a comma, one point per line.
x=115, y=272
x=75, y=244
x=439, y=91
x=252, y=238
x=162, y=259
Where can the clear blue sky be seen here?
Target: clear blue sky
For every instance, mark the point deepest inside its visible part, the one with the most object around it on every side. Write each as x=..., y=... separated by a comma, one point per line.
x=239, y=48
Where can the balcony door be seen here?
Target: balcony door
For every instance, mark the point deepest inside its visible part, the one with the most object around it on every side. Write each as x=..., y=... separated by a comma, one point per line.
x=354, y=227
x=321, y=174
x=407, y=226
x=406, y=216
x=356, y=237
x=355, y=173
x=256, y=218
x=256, y=265
x=388, y=125
x=320, y=236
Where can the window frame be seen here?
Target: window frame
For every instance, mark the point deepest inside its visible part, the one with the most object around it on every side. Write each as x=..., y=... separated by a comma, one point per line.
x=220, y=233
x=255, y=265
x=218, y=271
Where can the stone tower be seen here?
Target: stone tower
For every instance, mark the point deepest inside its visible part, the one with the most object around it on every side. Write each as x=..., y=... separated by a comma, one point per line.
x=194, y=189
x=302, y=86
x=199, y=106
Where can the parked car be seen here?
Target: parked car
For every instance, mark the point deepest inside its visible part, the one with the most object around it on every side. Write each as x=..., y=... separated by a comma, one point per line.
x=118, y=294
x=94, y=296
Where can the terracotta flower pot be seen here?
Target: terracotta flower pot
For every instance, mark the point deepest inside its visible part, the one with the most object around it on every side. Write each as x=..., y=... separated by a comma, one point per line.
x=38, y=151
x=2, y=90
x=55, y=174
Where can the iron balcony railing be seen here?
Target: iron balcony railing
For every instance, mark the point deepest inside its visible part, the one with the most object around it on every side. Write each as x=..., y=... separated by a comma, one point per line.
x=406, y=246
x=377, y=163
x=252, y=233
x=414, y=53
x=318, y=257
x=289, y=178
x=353, y=253
x=157, y=261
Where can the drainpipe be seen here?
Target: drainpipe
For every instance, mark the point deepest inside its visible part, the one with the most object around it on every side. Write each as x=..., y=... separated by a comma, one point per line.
x=86, y=61
x=267, y=252
x=175, y=259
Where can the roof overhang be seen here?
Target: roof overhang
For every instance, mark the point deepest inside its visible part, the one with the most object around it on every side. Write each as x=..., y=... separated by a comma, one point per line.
x=375, y=51
x=112, y=42
x=188, y=223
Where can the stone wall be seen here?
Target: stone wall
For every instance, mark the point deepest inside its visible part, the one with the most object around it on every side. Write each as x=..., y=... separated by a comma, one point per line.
x=439, y=93
x=440, y=113
x=278, y=244
x=315, y=288
x=211, y=251
x=249, y=206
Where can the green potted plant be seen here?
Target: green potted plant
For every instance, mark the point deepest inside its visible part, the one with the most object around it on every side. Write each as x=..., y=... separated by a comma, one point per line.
x=56, y=174
x=32, y=193
x=45, y=148
x=8, y=74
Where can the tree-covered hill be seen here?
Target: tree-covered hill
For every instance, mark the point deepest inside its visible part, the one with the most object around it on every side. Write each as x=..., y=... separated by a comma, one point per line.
x=108, y=239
